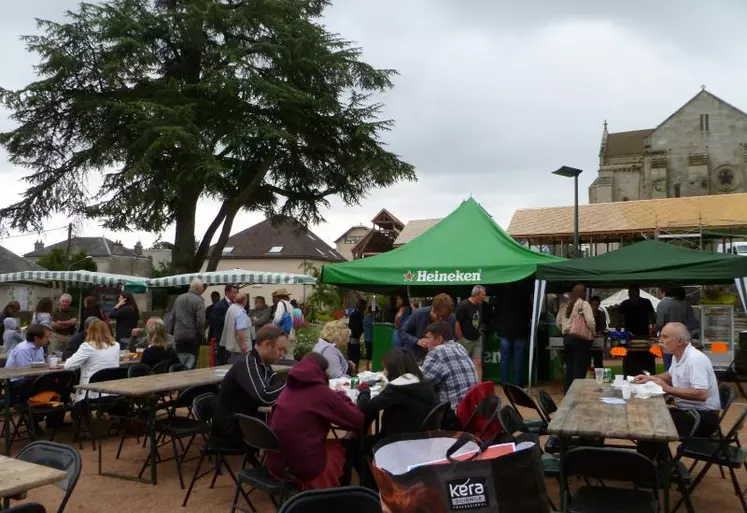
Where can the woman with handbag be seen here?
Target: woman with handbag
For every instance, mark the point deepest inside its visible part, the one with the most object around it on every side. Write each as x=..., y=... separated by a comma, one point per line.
x=576, y=321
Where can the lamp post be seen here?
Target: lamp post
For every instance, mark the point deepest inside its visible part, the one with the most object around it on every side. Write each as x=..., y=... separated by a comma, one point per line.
x=572, y=172
x=70, y=267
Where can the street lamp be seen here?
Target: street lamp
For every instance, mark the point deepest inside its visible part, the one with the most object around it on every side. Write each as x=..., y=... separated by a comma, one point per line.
x=70, y=267
x=572, y=172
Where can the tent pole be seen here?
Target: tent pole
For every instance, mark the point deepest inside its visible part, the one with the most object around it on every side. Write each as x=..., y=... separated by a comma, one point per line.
x=539, y=286
x=741, y=284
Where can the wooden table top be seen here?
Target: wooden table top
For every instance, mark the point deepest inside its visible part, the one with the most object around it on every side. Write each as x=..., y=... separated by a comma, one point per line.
x=583, y=414
x=18, y=476
x=156, y=383
x=31, y=372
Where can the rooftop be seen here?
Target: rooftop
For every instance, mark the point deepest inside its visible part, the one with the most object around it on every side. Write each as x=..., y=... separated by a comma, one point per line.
x=413, y=229
x=626, y=143
x=93, y=246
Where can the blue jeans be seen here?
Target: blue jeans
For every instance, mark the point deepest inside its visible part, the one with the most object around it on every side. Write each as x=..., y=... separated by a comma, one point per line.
x=509, y=347
x=667, y=357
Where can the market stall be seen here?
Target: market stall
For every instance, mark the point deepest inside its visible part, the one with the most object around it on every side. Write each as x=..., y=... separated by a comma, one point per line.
x=464, y=249
x=233, y=277
x=654, y=263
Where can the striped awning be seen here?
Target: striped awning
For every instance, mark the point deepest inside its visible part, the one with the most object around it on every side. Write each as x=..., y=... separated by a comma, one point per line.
x=72, y=278
x=233, y=277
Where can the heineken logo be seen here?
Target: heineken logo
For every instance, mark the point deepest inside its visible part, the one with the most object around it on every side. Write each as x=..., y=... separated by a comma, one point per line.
x=455, y=276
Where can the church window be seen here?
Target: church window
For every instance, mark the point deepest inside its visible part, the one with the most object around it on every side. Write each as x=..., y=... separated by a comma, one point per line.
x=704, y=127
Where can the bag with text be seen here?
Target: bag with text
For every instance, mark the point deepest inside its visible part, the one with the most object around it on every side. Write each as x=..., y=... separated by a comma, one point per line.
x=441, y=472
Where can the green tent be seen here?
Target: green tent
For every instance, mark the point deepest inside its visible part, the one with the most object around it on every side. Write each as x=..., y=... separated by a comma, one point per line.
x=463, y=249
x=647, y=263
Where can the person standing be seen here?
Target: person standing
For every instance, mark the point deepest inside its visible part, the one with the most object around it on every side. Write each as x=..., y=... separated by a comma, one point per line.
x=281, y=302
x=513, y=319
x=355, y=323
x=214, y=298
x=10, y=310
x=64, y=320
x=638, y=315
x=576, y=343
x=468, y=318
x=236, y=337
x=261, y=314
x=43, y=312
x=92, y=309
x=189, y=319
x=127, y=315
x=412, y=333
x=674, y=308
x=217, y=321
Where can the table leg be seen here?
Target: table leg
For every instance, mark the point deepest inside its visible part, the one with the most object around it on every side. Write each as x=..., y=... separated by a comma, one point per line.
x=152, y=435
x=563, y=441
x=94, y=428
x=6, y=416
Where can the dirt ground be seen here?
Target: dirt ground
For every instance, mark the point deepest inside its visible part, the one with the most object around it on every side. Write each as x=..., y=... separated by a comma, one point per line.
x=96, y=494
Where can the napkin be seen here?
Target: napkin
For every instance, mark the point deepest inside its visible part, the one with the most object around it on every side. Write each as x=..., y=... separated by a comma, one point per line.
x=646, y=390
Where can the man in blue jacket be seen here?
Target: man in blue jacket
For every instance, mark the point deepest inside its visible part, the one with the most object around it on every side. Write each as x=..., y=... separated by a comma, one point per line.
x=412, y=332
x=216, y=321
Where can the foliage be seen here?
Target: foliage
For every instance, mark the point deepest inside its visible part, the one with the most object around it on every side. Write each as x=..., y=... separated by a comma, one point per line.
x=55, y=260
x=252, y=103
x=323, y=299
x=161, y=270
x=306, y=339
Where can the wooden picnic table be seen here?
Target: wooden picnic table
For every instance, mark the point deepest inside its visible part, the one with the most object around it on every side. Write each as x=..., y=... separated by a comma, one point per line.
x=152, y=385
x=583, y=414
x=18, y=476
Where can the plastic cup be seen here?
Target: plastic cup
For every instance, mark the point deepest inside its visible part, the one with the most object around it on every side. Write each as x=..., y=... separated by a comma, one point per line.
x=599, y=375
x=619, y=378
x=626, y=392
x=53, y=361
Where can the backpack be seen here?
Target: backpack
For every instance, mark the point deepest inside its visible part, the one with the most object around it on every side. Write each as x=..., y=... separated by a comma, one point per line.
x=286, y=323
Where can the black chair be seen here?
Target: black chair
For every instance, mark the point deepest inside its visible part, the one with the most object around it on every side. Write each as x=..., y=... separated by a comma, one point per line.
x=138, y=370
x=735, y=373
x=435, y=418
x=724, y=451
x=688, y=425
x=107, y=404
x=488, y=410
x=259, y=437
x=178, y=427
x=59, y=382
x=57, y=456
x=203, y=408
x=161, y=367
x=177, y=367
x=29, y=507
x=349, y=498
x=726, y=396
x=546, y=404
x=518, y=397
x=608, y=464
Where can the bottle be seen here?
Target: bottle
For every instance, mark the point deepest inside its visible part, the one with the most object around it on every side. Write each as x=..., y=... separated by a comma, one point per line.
x=354, y=382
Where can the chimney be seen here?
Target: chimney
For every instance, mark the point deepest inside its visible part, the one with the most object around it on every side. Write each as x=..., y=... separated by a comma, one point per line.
x=117, y=248
x=38, y=245
x=139, y=249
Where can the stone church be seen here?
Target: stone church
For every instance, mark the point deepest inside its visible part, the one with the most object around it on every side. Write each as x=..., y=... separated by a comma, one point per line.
x=699, y=150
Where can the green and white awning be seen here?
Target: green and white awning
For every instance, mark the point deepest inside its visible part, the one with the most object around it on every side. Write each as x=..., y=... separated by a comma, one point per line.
x=233, y=277
x=73, y=278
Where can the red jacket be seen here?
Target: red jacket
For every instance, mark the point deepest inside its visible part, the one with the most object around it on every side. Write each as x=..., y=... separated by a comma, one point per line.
x=302, y=417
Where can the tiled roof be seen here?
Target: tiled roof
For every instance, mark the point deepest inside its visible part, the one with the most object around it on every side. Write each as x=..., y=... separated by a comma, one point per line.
x=12, y=263
x=93, y=246
x=626, y=143
x=717, y=211
x=413, y=229
x=286, y=238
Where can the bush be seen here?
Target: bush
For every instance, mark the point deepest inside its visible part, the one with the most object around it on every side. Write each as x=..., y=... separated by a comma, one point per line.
x=306, y=339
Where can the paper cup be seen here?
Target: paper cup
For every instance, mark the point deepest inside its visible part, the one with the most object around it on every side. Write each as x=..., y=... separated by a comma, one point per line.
x=626, y=392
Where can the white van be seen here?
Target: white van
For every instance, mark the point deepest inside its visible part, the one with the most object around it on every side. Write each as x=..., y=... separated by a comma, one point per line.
x=735, y=248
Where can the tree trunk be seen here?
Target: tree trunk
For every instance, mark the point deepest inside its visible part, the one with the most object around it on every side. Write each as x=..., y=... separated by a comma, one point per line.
x=225, y=232
x=183, y=254
x=202, y=251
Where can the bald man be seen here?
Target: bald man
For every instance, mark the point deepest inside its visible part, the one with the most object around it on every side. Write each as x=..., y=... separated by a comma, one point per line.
x=690, y=380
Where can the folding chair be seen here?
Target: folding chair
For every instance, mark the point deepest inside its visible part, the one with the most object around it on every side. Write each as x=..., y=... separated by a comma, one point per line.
x=177, y=367
x=59, y=382
x=259, y=437
x=518, y=397
x=608, y=464
x=484, y=423
x=733, y=374
x=57, y=456
x=680, y=473
x=724, y=451
x=107, y=403
x=29, y=507
x=161, y=367
x=435, y=418
x=349, y=498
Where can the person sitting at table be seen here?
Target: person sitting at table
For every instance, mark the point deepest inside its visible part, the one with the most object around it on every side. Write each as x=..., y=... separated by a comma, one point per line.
x=334, y=337
x=448, y=365
x=23, y=355
x=302, y=418
x=76, y=340
x=250, y=384
x=690, y=380
x=12, y=336
x=99, y=351
x=158, y=349
x=139, y=337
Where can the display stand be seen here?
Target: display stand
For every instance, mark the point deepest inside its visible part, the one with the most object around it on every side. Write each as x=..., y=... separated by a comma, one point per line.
x=717, y=334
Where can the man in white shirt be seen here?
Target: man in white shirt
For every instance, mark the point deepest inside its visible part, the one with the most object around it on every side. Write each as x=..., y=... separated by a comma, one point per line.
x=236, y=337
x=690, y=380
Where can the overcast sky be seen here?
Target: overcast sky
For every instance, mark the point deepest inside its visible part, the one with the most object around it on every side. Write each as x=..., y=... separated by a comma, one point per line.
x=492, y=95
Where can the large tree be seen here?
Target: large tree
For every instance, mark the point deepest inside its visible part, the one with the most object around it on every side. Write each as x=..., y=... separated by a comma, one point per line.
x=249, y=102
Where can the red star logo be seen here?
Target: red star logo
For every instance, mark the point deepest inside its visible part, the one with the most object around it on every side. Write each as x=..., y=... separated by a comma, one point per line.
x=408, y=276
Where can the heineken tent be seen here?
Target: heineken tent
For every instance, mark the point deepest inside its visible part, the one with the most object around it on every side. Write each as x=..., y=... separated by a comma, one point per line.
x=463, y=249
x=233, y=277
x=649, y=262
x=74, y=278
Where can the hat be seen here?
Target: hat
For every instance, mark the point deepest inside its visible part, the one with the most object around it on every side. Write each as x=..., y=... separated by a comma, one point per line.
x=10, y=324
x=281, y=292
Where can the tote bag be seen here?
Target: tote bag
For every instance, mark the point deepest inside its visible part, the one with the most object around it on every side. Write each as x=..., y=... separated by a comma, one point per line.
x=579, y=328
x=512, y=483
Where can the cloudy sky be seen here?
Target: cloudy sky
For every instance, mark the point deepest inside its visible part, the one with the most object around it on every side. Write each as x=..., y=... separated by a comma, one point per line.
x=492, y=95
